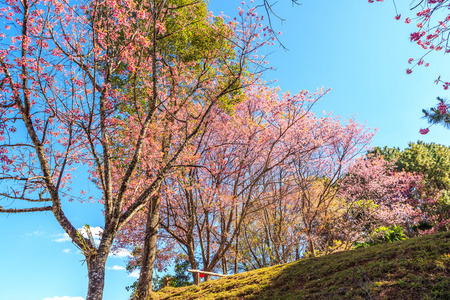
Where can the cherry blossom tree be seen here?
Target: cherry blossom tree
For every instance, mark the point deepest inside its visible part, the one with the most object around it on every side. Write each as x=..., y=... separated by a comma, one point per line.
x=317, y=173
x=193, y=46
x=370, y=193
x=206, y=202
x=61, y=106
x=212, y=207
x=432, y=163
x=273, y=234
x=300, y=205
x=377, y=194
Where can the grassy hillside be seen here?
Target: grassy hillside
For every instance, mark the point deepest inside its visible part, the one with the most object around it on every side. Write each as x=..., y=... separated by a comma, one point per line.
x=417, y=268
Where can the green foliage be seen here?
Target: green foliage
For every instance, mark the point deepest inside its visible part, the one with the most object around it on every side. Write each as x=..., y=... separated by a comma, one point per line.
x=191, y=43
x=181, y=277
x=196, y=39
x=383, y=234
x=430, y=160
x=361, y=209
x=416, y=268
x=389, y=154
x=441, y=210
x=132, y=288
x=390, y=234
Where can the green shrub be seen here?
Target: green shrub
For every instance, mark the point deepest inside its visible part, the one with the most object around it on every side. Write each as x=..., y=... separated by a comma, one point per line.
x=383, y=234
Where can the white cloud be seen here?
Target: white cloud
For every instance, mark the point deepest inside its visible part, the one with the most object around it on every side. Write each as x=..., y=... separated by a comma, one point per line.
x=64, y=298
x=95, y=231
x=66, y=250
x=121, y=252
x=61, y=238
x=64, y=237
x=116, y=267
x=134, y=274
x=37, y=232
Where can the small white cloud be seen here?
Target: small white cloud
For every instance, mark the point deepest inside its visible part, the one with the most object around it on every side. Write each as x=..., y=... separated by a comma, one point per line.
x=121, y=252
x=134, y=274
x=61, y=238
x=64, y=298
x=66, y=250
x=38, y=233
x=116, y=267
x=96, y=231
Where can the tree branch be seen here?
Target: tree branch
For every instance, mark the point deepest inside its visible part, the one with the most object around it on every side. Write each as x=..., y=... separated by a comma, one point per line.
x=26, y=199
x=22, y=210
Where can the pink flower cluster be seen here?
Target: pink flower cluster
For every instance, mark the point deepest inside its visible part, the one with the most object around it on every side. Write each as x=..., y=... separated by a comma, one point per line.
x=424, y=131
x=442, y=108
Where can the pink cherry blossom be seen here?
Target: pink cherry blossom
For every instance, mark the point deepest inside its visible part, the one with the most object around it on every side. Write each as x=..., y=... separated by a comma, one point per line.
x=424, y=131
x=60, y=75
x=442, y=108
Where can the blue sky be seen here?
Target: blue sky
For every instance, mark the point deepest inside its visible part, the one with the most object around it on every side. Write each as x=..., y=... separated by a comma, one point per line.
x=356, y=48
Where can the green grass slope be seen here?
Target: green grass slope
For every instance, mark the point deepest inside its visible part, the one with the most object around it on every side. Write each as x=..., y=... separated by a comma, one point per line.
x=418, y=268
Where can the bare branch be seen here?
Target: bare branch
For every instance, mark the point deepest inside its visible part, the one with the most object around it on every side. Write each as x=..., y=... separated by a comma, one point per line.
x=26, y=199
x=16, y=145
x=22, y=210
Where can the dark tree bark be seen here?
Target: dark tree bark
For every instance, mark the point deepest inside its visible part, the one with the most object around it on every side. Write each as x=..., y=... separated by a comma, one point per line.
x=145, y=286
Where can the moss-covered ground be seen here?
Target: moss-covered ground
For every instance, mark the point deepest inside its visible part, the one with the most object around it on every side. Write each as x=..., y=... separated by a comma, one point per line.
x=418, y=268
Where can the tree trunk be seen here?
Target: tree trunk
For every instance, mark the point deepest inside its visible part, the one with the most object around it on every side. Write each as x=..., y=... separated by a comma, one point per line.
x=224, y=266
x=144, y=288
x=96, y=273
x=96, y=262
x=237, y=243
x=193, y=262
x=311, y=245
